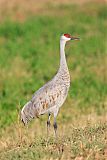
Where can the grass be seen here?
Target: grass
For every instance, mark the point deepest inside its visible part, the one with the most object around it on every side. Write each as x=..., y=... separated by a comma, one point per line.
x=29, y=57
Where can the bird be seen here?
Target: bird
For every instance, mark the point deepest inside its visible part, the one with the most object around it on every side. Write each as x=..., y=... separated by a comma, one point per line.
x=50, y=97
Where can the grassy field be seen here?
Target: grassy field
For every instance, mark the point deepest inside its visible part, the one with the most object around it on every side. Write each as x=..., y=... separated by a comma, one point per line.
x=29, y=57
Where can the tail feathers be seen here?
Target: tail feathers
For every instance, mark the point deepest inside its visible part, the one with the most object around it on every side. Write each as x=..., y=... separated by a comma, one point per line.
x=27, y=112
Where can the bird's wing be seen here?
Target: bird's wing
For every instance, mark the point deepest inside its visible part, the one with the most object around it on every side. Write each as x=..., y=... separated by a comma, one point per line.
x=28, y=112
x=46, y=97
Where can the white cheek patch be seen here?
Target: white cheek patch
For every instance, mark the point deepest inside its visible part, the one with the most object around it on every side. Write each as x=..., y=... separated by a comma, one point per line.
x=65, y=38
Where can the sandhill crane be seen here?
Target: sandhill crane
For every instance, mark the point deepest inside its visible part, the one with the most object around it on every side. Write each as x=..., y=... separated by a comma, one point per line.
x=49, y=98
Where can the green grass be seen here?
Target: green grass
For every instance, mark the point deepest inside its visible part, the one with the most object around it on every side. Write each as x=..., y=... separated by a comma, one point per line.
x=29, y=57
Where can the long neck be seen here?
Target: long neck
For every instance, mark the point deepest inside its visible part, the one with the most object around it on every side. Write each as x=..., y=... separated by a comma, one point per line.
x=63, y=63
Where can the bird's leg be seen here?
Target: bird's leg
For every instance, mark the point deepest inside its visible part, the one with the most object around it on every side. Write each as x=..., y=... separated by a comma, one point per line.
x=55, y=127
x=55, y=123
x=48, y=124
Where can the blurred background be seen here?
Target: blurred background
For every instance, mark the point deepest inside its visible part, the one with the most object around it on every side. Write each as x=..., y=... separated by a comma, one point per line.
x=29, y=57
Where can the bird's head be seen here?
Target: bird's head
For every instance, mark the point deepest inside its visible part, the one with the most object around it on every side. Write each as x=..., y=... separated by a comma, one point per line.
x=67, y=37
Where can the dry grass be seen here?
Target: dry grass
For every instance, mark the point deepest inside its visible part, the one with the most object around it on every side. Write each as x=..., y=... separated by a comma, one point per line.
x=22, y=9
x=83, y=138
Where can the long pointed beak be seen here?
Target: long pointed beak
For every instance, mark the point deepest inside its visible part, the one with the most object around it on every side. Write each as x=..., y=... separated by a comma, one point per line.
x=75, y=38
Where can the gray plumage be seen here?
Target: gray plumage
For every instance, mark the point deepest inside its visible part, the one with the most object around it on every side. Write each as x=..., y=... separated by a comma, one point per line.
x=50, y=97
